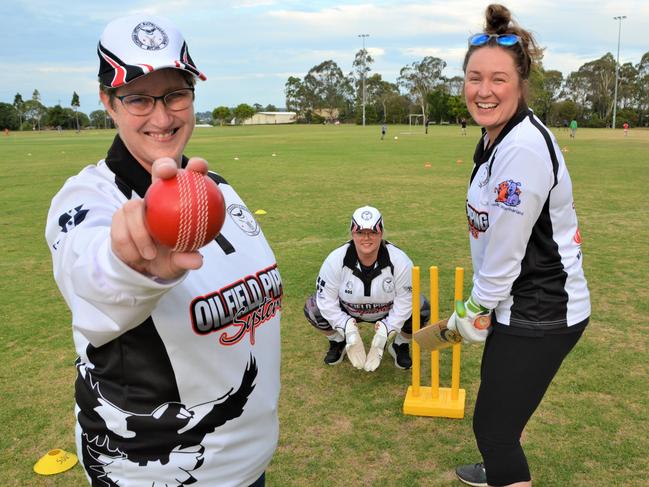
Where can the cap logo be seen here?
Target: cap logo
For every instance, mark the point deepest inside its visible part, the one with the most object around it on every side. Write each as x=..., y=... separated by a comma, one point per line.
x=149, y=37
x=366, y=215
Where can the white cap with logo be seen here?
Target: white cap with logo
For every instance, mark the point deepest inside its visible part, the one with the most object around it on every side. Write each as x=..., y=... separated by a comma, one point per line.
x=367, y=218
x=136, y=45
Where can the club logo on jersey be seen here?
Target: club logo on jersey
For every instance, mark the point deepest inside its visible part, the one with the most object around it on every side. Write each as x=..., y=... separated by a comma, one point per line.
x=244, y=219
x=348, y=287
x=244, y=305
x=388, y=285
x=72, y=218
x=484, y=176
x=149, y=37
x=478, y=220
x=173, y=431
x=366, y=311
x=508, y=192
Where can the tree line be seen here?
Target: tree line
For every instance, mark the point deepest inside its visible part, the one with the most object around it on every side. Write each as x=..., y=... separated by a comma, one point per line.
x=587, y=95
x=31, y=114
x=327, y=94
x=222, y=114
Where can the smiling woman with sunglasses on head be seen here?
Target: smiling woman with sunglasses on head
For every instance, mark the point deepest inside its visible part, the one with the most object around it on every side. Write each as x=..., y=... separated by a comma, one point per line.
x=525, y=247
x=178, y=369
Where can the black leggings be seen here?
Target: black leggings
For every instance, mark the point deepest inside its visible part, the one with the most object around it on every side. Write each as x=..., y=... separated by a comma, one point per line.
x=516, y=371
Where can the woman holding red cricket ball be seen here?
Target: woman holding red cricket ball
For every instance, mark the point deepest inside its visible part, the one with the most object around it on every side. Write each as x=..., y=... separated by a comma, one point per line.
x=178, y=369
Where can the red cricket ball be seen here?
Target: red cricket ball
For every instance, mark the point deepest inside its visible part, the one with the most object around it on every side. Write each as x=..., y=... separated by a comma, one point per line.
x=185, y=212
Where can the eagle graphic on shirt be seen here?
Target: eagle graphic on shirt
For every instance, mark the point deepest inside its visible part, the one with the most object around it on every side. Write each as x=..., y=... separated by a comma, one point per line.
x=175, y=429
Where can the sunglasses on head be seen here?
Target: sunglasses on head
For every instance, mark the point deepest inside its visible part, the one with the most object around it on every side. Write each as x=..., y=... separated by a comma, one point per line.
x=506, y=40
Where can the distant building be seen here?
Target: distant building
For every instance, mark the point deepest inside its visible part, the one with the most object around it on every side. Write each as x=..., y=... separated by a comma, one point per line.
x=271, y=118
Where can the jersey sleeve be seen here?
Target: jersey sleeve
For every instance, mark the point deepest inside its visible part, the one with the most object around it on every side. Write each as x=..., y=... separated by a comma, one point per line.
x=402, y=306
x=521, y=179
x=327, y=289
x=105, y=296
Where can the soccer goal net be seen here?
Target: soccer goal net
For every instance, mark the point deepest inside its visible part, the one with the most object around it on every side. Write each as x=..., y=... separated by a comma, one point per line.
x=415, y=119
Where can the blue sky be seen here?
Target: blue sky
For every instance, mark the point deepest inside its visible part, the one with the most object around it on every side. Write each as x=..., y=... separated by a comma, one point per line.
x=248, y=48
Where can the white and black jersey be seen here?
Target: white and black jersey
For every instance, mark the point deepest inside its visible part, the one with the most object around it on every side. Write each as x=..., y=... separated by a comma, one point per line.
x=344, y=289
x=525, y=241
x=178, y=382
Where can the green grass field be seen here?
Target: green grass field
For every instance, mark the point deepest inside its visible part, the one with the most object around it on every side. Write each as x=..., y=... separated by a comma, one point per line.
x=339, y=426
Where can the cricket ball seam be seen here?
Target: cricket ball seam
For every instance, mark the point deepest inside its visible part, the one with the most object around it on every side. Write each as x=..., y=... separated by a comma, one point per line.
x=202, y=212
x=186, y=212
x=184, y=224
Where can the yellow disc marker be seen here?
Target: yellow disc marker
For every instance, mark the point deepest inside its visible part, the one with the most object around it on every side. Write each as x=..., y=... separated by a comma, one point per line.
x=55, y=461
x=260, y=212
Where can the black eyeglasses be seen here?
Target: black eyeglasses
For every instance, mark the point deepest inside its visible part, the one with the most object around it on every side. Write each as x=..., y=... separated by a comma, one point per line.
x=141, y=105
x=505, y=40
x=366, y=234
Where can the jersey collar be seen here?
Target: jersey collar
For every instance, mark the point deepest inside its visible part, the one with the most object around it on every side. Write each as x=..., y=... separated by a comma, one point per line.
x=382, y=261
x=483, y=153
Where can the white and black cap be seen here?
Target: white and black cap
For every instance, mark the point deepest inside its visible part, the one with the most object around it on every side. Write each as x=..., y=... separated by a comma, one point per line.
x=136, y=45
x=367, y=218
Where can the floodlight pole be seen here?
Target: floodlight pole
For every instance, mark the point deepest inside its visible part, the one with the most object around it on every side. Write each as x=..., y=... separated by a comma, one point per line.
x=617, y=66
x=363, y=36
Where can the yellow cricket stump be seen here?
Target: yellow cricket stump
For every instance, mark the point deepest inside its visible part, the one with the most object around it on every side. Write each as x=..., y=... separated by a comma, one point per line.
x=436, y=401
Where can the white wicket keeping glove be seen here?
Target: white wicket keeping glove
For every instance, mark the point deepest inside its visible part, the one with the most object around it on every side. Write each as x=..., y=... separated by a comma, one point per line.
x=375, y=354
x=355, y=348
x=470, y=320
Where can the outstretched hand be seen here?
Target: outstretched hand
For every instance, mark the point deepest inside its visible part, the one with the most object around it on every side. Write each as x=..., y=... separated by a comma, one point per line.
x=131, y=241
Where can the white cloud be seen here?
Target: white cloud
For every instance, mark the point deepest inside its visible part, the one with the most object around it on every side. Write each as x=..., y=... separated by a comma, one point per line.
x=252, y=3
x=324, y=54
x=392, y=20
x=65, y=69
x=248, y=48
x=564, y=62
x=248, y=76
x=447, y=54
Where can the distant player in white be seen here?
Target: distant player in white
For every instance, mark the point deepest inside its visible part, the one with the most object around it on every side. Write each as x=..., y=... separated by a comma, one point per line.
x=178, y=369
x=368, y=279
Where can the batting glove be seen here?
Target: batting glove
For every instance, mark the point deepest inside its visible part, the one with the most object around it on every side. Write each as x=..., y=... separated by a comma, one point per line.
x=355, y=348
x=375, y=354
x=470, y=320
